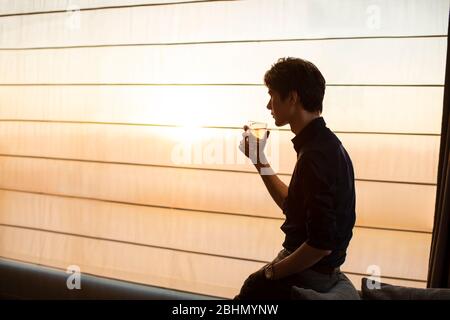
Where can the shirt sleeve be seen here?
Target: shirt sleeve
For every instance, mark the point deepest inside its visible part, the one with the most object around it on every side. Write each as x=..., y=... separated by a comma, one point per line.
x=320, y=187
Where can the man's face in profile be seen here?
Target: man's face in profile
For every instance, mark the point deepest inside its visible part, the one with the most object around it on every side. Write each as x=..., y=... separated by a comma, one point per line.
x=281, y=111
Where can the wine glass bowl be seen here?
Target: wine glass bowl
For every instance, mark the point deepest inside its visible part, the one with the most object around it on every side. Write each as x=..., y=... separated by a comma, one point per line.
x=257, y=129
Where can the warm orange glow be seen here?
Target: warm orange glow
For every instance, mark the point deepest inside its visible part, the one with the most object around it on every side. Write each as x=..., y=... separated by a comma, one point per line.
x=139, y=143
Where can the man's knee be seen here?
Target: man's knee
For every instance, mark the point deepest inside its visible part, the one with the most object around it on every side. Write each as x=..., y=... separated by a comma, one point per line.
x=252, y=286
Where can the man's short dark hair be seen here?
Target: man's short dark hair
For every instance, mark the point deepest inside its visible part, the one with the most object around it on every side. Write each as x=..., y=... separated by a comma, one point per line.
x=295, y=74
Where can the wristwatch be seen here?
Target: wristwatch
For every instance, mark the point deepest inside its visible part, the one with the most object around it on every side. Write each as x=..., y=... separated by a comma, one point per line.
x=268, y=271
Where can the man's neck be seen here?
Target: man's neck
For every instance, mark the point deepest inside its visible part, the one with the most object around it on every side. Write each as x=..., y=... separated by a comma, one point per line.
x=301, y=120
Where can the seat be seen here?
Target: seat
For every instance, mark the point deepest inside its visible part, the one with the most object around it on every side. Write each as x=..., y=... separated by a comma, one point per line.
x=342, y=290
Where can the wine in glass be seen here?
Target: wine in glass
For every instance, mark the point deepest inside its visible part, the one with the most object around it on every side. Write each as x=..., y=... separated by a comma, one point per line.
x=258, y=129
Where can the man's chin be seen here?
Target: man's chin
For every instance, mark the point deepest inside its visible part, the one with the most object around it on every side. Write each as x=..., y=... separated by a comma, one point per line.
x=279, y=124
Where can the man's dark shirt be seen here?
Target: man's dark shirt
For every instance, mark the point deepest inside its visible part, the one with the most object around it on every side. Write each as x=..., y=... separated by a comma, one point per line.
x=320, y=206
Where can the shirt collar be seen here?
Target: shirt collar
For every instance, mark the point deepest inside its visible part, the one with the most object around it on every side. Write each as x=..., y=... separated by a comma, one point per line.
x=308, y=133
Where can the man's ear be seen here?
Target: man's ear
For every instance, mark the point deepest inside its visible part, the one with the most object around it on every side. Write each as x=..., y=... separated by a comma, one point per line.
x=294, y=97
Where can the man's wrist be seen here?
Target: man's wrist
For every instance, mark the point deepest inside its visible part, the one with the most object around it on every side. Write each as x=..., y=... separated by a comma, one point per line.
x=262, y=162
x=260, y=165
x=264, y=169
x=269, y=271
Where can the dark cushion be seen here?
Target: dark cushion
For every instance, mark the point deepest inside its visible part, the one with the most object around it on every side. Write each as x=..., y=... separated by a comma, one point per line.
x=20, y=280
x=391, y=292
x=342, y=290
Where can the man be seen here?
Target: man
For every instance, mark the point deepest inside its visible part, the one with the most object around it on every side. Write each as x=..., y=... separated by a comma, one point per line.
x=319, y=203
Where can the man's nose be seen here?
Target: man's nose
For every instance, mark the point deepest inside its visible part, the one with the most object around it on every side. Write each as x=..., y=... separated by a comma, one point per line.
x=268, y=106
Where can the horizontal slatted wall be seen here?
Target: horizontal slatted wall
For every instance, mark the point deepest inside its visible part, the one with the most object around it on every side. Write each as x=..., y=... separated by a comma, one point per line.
x=119, y=125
